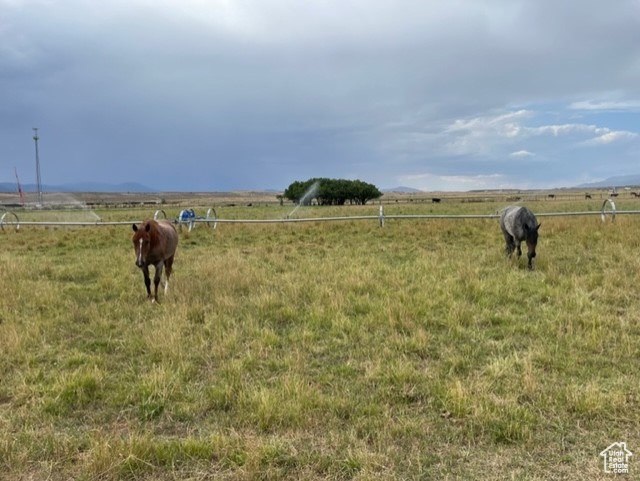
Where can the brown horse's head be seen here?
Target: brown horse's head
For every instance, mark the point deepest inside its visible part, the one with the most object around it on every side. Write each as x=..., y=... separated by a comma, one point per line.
x=141, y=243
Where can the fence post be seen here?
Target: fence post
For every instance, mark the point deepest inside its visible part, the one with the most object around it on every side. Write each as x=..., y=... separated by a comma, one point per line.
x=381, y=216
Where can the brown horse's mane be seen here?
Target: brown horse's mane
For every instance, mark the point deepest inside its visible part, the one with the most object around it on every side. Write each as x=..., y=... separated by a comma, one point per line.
x=157, y=240
x=153, y=230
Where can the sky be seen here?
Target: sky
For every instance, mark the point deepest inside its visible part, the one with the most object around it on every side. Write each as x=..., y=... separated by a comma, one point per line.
x=218, y=95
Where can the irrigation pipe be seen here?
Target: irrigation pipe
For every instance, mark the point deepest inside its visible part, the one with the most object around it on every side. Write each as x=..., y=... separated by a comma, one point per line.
x=215, y=220
x=18, y=223
x=410, y=216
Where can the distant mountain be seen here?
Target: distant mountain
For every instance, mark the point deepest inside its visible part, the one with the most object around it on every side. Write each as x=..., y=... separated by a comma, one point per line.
x=11, y=187
x=79, y=187
x=104, y=187
x=406, y=190
x=617, y=181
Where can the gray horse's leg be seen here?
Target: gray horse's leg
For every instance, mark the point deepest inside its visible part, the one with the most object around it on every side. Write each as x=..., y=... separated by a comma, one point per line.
x=530, y=256
x=510, y=244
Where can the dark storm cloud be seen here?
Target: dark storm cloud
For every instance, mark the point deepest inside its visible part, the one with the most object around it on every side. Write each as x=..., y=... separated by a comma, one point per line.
x=252, y=94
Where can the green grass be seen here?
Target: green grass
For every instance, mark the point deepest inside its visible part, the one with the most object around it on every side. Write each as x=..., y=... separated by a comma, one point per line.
x=321, y=350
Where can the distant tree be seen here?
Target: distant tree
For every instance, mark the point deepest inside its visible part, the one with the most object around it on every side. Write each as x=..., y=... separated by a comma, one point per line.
x=294, y=192
x=331, y=191
x=363, y=192
x=297, y=190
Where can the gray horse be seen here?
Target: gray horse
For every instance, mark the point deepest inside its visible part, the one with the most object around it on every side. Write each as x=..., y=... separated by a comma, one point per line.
x=519, y=224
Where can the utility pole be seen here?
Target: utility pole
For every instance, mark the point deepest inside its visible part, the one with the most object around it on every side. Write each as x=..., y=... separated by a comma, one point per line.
x=38, y=180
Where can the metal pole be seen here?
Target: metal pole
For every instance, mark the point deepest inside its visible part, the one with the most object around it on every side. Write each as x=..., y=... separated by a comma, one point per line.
x=38, y=179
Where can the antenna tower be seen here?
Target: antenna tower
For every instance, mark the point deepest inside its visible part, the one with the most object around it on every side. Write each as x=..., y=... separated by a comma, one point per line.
x=38, y=179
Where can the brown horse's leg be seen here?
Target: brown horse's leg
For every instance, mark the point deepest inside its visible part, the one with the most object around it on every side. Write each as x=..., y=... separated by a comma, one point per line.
x=147, y=280
x=168, y=264
x=156, y=280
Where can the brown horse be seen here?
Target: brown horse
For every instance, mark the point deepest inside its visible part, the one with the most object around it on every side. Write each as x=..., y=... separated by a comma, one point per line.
x=155, y=244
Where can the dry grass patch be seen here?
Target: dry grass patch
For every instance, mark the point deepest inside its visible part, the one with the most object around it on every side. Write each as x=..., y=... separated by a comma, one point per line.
x=321, y=351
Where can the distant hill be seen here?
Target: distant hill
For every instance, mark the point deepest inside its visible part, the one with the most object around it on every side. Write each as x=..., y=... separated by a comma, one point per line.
x=103, y=187
x=617, y=181
x=79, y=187
x=406, y=190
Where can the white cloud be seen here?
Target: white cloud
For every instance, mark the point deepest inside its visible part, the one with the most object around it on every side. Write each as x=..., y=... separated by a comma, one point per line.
x=563, y=129
x=610, y=137
x=507, y=124
x=479, y=143
x=482, y=135
x=496, y=135
x=507, y=127
x=603, y=135
x=433, y=182
x=521, y=153
x=605, y=105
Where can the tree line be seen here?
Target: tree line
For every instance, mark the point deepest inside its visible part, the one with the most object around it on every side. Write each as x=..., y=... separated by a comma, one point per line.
x=331, y=191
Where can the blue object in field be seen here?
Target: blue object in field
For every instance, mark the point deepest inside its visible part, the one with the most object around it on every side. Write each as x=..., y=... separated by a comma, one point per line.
x=186, y=215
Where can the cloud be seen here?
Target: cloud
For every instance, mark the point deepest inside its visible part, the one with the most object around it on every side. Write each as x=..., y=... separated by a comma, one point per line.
x=563, y=129
x=497, y=134
x=477, y=136
x=433, y=182
x=594, y=105
x=504, y=122
x=257, y=93
x=521, y=153
x=611, y=136
x=603, y=135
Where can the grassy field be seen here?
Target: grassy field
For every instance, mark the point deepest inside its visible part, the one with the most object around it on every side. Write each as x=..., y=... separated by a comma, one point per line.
x=322, y=350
